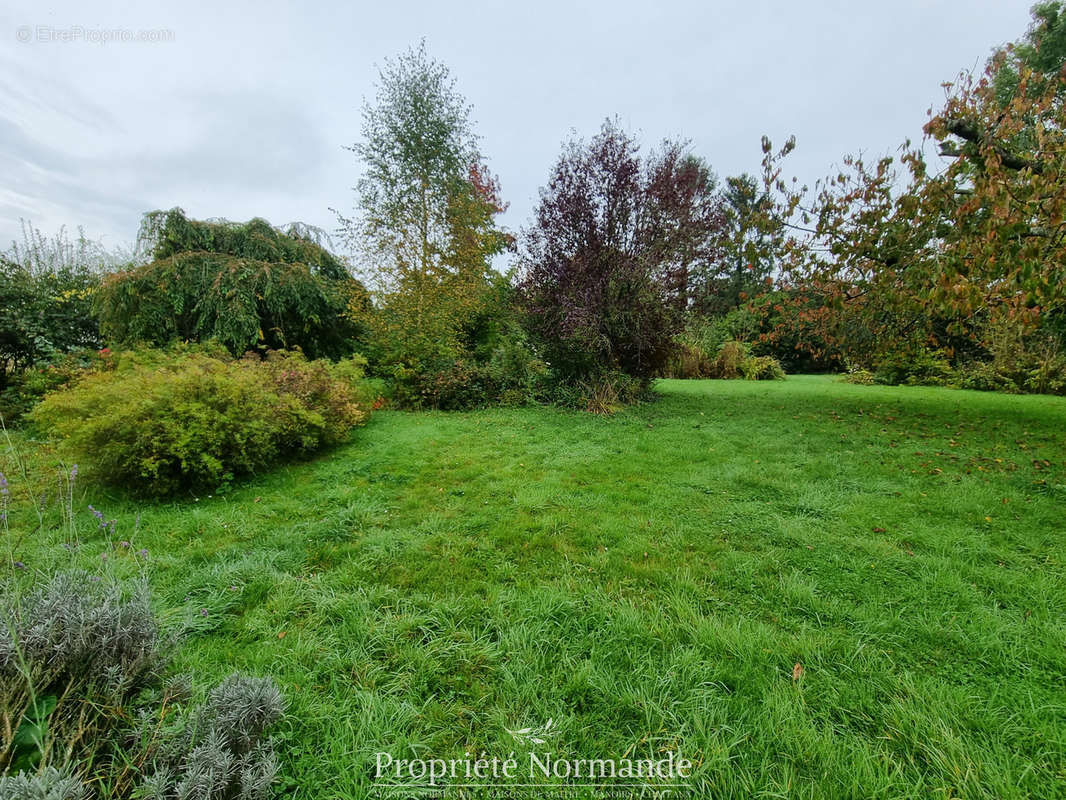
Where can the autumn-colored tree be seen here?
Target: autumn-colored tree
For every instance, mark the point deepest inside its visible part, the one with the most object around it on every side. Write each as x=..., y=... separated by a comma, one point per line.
x=425, y=233
x=947, y=253
x=1042, y=50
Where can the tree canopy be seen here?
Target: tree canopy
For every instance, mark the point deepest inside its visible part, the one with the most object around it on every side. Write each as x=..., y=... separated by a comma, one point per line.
x=940, y=254
x=606, y=264
x=247, y=285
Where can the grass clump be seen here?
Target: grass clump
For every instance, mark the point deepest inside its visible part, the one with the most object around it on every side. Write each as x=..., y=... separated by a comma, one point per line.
x=732, y=359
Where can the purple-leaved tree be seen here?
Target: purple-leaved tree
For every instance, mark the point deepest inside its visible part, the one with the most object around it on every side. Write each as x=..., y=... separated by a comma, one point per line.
x=606, y=266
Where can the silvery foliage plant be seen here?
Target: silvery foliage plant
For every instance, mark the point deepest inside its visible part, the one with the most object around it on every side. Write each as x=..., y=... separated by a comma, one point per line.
x=73, y=649
x=78, y=627
x=52, y=784
x=94, y=650
x=224, y=752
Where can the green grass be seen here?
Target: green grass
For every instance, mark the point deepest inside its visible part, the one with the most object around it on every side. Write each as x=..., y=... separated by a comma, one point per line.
x=648, y=581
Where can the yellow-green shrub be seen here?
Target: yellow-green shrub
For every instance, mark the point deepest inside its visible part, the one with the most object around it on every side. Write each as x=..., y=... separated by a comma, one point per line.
x=160, y=424
x=762, y=368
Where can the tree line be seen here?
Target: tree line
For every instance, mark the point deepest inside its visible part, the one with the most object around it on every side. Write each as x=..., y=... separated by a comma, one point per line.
x=636, y=264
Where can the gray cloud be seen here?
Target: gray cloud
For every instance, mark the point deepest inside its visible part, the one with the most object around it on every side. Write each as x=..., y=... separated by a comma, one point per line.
x=246, y=111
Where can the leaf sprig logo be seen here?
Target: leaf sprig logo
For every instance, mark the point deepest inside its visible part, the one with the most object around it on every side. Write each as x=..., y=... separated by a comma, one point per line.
x=528, y=736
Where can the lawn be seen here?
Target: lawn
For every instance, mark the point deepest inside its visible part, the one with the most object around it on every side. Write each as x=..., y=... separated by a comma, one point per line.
x=648, y=582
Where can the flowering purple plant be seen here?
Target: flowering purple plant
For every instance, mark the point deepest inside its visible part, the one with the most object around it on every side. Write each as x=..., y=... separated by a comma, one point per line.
x=104, y=523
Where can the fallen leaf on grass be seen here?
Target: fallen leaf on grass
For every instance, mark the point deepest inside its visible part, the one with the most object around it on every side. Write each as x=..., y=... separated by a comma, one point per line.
x=797, y=671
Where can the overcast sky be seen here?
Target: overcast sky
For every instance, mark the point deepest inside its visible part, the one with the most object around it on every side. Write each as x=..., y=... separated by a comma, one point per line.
x=244, y=109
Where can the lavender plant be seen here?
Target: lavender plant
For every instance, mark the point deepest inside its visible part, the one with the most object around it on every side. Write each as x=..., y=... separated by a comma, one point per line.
x=82, y=699
x=79, y=656
x=223, y=752
x=51, y=784
x=70, y=650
